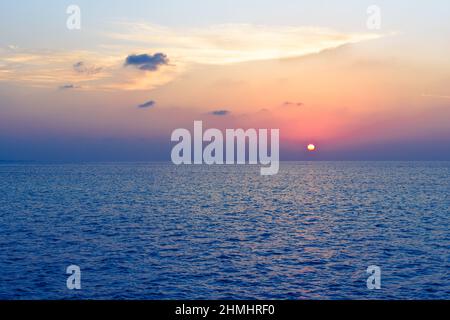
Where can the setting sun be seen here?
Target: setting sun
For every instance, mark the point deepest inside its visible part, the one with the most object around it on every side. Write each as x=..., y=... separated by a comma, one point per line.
x=311, y=147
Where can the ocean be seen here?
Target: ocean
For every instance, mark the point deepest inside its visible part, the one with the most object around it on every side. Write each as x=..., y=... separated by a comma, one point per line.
x=160, y=231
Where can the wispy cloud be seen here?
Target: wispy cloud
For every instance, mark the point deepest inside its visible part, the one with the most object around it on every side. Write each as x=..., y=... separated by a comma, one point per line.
x=46, y=68
x=102, y=70
x=102, y=67
x=435, y=96
x=82, y=67
x=230, y=43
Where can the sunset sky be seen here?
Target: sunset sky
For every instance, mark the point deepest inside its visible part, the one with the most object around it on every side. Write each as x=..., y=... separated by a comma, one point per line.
x=136, y=70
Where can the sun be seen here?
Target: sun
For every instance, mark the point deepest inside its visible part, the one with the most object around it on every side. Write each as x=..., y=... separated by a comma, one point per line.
x=311, y=147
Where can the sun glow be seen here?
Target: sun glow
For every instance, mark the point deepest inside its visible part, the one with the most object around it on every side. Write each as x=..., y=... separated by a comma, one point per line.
x=311, y=147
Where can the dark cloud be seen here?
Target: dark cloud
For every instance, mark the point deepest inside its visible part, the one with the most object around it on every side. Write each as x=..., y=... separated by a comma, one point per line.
x=81, y=67
x=147, y=62
x=296, y=104
x=147, y=104
x=220, y=112
x=68, y=86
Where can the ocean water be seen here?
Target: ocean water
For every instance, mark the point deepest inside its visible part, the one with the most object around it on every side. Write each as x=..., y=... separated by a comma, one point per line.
x=158, y=231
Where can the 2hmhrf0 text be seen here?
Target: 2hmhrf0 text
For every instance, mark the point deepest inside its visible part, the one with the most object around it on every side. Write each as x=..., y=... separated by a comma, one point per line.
x=208, y=147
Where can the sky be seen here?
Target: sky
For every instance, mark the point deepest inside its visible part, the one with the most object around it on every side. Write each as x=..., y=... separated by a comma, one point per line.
x=115, y=89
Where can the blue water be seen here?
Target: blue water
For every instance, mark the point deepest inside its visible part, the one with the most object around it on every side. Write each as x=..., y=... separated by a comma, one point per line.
x=157, y=231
